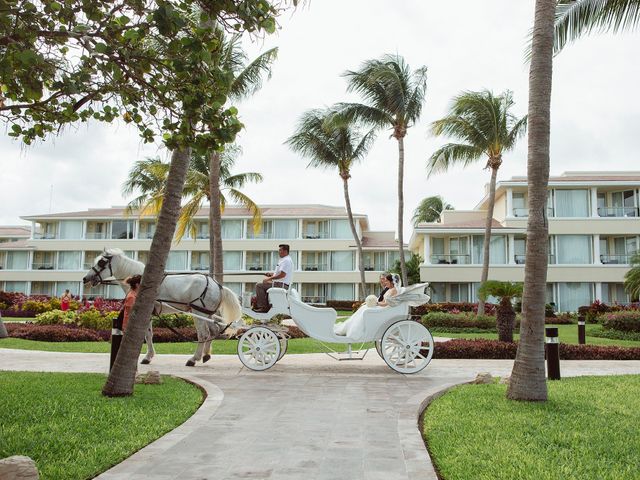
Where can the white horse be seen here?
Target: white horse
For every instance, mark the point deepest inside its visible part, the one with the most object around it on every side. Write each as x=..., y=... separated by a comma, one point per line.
x=178, y=293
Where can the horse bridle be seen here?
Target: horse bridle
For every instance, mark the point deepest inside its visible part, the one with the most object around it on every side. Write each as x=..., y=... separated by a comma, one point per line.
x=103, y=263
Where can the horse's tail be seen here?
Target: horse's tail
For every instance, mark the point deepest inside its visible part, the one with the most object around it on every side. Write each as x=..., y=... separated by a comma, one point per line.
x=230, y=306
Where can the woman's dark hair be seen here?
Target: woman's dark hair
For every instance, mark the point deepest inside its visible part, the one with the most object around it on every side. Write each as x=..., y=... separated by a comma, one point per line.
x=134, y=281
x=389, y=277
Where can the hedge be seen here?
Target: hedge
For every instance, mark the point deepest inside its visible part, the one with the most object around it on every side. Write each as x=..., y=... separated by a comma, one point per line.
x=452, y=307
x=624, y=321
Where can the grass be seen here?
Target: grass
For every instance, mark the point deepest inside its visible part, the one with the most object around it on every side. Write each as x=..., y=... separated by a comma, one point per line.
x=567, y=334
x=71, y=431
x=218, y=347
x=587, y=430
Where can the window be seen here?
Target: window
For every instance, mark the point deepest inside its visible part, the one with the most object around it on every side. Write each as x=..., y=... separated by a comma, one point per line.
x=315, y=261
x=497, y=250
x=260, y=261
x=572, y=203
x=394, y=256
x=313, y=292
x=71, y=229
x=340, y=229
x=97, y=291
x=266, y=230
x=459, y=292
x=574, y=249
x=115, y=292
x=235, y=287
x=17, y=260
x=232, y=261
x=200, y=261
x=147, y=230
x=69, y=260
x=18, y=287
x=342, y=261
x=122, y=229
x=232, y=229
x=342, y=291
x=315, y=229
x=285, y=229
x=42, y=288
x=459, y=250
x=519, y=205
x=177, y=261
x=96, y=230
x=573, y=295
x=438, y=292
x=374, y=261
x=73, y=287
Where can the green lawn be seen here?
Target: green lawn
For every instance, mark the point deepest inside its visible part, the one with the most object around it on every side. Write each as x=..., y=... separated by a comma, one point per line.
x=62, y=421
x=218, y=347
x=588, y=430
x=567, y=333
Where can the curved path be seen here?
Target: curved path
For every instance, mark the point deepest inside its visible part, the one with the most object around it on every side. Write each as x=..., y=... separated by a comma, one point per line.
x=309, y=417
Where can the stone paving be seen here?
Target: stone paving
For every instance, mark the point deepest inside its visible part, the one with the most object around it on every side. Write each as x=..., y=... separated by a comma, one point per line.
x=309, y=417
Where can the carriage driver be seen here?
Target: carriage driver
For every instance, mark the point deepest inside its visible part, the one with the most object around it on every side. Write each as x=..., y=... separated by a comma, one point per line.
x=281, y=278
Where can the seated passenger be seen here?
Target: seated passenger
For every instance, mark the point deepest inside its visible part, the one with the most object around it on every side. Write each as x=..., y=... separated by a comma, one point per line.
x=354, y=326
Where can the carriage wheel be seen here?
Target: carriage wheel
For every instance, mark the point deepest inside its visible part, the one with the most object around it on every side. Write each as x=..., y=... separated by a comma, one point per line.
x=259, y=348
x=283, y=346
x=407, y=346
x=379, y=348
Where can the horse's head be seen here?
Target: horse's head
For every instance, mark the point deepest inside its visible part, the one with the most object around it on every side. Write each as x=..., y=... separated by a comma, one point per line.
x=101, y=270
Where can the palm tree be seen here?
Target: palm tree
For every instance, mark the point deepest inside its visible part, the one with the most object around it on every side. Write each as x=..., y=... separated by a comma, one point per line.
x=576, y=18
x=632, y=278
x=246, y=79
x=528, y=375
x=149, y=178
x=394, y=97
x=329, y=143
x=485, y=126
x=505, y=314
x=429, y=210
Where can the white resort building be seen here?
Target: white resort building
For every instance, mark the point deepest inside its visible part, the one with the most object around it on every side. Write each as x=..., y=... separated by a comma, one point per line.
x=594, y=229
x=58, y=249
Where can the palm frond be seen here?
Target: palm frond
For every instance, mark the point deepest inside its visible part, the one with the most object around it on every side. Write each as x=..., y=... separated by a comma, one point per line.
x=429, y=210
x=451, y=154
x=239, y=180
x=253, y=207
x=187, y=214
x=249, y=80
x=632, y=278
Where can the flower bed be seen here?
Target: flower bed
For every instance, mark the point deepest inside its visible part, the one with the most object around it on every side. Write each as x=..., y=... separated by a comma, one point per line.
x=624, y=321
x=452, y=307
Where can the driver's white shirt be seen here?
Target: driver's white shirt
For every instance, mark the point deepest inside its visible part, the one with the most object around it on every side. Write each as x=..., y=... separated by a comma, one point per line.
x=285, y=265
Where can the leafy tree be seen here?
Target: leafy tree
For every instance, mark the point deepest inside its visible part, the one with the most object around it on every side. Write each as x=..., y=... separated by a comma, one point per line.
x=429, y=210
x=528, y=380
x=337, y=145
x=577, y=18
x=486, y=128
x=64, y=62
x=413, y=269
x=632, y=278
x=505, y=314
x=394, y=97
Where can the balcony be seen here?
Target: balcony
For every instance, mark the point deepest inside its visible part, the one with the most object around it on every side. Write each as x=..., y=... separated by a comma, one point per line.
x=520, y=259
x=44, y=236
x=258, y=268
x=200, y=268
x=314, y=267
x=95, y=235
x=618, y=211
x=450, y=259
x=524, y=212
x=43, y=266
x=615, y=259
x=315, y=236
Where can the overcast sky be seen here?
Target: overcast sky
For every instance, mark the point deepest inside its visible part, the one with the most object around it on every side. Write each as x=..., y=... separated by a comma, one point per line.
x=466, y=45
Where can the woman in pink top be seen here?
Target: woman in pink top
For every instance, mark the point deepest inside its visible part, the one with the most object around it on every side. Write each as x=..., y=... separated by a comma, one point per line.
x=130, y=299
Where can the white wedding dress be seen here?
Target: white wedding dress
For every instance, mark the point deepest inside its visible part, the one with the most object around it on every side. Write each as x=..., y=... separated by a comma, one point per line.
x=353, y=327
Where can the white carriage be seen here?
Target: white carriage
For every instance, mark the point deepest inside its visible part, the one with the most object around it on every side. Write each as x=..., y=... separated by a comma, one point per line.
x=403, y=343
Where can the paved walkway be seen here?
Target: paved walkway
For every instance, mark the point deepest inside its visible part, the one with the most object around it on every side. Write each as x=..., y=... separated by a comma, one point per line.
x=309, y=417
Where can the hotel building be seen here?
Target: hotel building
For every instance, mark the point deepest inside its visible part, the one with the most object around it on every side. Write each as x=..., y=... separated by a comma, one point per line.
x=58, y=249
x=594, y=229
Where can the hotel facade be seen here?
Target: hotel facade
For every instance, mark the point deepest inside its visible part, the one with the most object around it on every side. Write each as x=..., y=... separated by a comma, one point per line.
x=58, y=249
x=594, y=229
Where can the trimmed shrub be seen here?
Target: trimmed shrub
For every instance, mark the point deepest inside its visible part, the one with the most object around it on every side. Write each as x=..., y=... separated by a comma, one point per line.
x=625, y=321
x=55, y=317
x=95, y=320
x=179, y=320
x=458, y=320
x=616, y=335
x=36, y=306
x=55, y=333
x=453, y=307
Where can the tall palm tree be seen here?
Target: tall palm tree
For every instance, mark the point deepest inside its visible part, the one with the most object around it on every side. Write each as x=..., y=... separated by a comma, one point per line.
x=528, y=374
x=246, y=79
x=632, y=278
x=486, y=128
x=332, y=144
x=394, y=97
x=429, y=210
x=577, y=18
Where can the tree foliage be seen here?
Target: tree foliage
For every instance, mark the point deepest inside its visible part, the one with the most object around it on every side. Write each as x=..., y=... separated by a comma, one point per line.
x=632, y=278
x=430, y=209
x=413, y=268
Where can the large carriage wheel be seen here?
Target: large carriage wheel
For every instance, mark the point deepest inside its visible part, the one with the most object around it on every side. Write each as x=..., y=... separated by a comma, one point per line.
x=407, y=346
x=283, y=345
x=259, y=348
x=379, y=348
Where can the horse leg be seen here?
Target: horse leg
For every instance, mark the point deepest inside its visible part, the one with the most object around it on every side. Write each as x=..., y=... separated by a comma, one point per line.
x=201, y=330
x=213, y=332
x=150, y=350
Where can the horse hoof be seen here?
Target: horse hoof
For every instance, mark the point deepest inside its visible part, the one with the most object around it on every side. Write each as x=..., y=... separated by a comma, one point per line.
x=191, y=363
x=206, y=358
x=145, y=361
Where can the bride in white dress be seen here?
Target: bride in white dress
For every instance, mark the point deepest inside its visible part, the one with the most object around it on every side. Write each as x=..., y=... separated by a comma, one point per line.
x=354, y=326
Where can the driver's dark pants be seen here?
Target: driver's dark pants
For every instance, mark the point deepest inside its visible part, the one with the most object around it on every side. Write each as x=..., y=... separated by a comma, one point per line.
x=262, y=298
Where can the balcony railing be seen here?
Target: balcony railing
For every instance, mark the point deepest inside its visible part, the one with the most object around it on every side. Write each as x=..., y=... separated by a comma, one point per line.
x=314, y=267
x=520, y=259
x=199, y=267
x=615, y=259
x=44, y=236
x=43, y=266
x=524, y=212
x=95, y=236
x=374, y=268
x=618, y=211
x=314, y=236
x=202, y=236
x=450, y=259
x=258, y=267
x=145, y=235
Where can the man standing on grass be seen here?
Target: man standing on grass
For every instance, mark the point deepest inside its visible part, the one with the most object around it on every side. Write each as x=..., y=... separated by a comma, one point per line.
x=281, y=278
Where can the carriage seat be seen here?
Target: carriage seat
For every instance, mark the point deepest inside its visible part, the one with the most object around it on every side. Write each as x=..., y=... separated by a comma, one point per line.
x=278, y=301
x=316, y=322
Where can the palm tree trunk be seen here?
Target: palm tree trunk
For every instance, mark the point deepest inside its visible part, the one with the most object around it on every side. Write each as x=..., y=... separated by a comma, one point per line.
x=347, y=201
x=505, y=319
x=403, y=265
x=487, y=235
x=215, y=220
x=528, y=375
x=122, y=376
